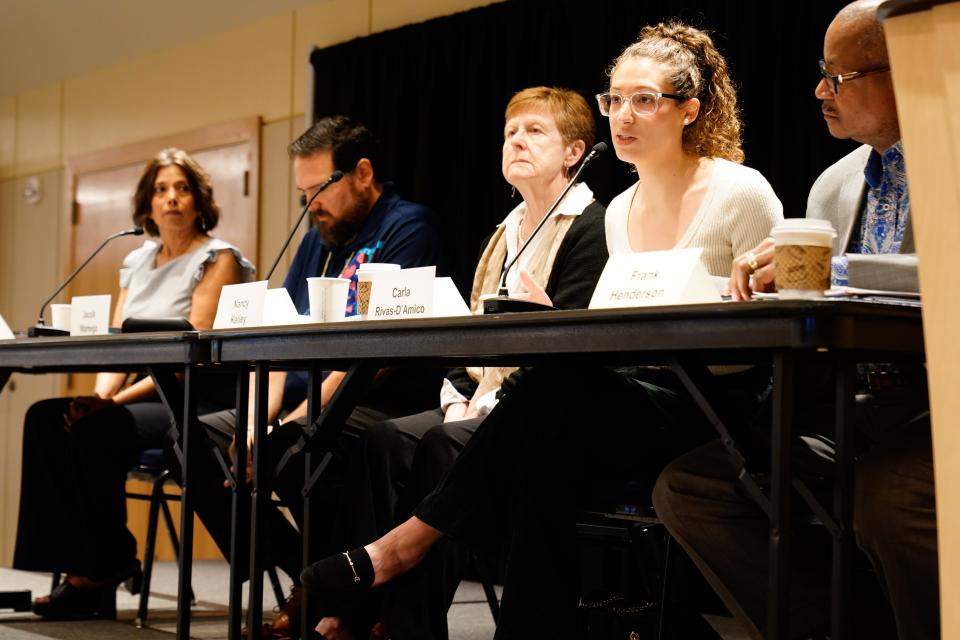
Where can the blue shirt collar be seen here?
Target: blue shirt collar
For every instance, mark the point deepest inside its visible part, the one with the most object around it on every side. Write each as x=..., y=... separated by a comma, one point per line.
x=876, y=163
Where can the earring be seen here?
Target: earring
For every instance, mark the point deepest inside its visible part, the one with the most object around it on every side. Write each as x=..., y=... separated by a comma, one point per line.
x=203, y=224
x=513, y=192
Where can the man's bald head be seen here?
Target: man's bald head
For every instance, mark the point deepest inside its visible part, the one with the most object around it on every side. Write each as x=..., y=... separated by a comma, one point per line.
x=859, y=19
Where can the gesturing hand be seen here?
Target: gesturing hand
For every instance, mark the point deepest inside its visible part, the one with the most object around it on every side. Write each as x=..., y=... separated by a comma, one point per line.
x=535, y=293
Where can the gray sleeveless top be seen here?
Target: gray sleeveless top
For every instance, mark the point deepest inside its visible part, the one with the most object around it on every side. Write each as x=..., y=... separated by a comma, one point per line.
x=167, y=291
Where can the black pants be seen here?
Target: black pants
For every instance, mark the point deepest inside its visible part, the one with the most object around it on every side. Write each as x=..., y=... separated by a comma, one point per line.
x=726, y=534
x=396, y=464
x=212, y=501
x=557, y=440
x=73, y=512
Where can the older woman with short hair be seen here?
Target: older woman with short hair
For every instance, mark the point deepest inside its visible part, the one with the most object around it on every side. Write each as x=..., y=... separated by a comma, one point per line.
x=547, y=133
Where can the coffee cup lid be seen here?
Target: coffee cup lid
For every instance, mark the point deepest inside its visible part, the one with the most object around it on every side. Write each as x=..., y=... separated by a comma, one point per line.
x=793, y=225
x=378, y=266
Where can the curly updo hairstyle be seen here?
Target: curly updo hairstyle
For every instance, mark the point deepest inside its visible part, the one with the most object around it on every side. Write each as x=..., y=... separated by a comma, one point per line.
x=208, y=213
x=696, y=70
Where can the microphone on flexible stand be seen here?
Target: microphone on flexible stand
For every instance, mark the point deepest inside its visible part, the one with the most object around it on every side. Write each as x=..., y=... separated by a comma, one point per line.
x=503, y=303
x=41, y=329
x=334, y=177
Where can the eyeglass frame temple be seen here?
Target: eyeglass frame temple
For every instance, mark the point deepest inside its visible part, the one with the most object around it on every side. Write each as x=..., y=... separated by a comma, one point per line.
x=836, y=80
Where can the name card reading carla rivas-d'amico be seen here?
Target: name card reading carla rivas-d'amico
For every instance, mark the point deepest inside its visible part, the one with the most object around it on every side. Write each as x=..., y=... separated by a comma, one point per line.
x=654, y=278
x=90, y=315
x=407, y=293
x=241, y=305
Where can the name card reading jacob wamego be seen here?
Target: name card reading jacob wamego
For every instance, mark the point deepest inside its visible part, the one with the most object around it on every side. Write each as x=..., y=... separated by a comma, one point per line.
x=90, y=315
x=407, y=293
x=241, y=305
x=652, y=278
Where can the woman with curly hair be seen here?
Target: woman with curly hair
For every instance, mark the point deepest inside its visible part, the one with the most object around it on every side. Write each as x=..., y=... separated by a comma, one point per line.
x=563, y=437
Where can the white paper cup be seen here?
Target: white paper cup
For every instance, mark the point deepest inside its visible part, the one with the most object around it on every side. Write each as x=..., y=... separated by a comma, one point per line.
x=366, y=275
x=328, y=298
x=60, y=316
x=802, y=251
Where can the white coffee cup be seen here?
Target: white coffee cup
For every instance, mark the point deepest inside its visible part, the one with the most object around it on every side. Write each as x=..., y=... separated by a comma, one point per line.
x=328, y=298
x=802, y=254
x=366, y=274
x=60, y=316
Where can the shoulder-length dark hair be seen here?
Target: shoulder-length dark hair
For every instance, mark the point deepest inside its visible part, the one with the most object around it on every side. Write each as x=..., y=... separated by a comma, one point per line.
x=208, y=213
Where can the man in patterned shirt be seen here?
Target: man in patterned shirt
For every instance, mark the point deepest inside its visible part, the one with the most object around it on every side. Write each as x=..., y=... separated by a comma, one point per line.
x=699, y=496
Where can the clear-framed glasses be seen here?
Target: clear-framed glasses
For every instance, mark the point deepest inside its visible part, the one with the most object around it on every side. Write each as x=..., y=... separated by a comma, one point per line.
x=643, y=103
x=835, y=81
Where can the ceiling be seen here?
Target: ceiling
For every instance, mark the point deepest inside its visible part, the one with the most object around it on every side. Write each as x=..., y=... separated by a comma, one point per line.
x=45, y=41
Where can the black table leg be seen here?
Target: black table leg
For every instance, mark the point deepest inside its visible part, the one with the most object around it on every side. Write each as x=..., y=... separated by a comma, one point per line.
x=240, y=492
x=260, y=491
x=314, y=386
x=180, y=402
x=781, y=477
x=843, y=540
x=320, y=437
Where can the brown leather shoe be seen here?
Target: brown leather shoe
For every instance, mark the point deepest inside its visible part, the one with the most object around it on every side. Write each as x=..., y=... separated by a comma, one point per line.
x=287, y=623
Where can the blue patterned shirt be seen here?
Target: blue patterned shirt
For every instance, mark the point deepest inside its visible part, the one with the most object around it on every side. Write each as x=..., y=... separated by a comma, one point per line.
x=886, y=212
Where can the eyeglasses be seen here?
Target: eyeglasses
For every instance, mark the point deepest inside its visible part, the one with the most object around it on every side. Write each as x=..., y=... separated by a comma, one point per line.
x=643, y=103
x=834, y=81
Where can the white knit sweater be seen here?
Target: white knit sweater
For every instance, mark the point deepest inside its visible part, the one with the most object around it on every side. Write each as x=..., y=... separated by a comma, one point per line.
x=737, y=212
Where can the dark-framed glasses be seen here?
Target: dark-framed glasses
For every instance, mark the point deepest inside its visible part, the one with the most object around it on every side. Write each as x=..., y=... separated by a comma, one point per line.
x=643, y=103
x=835, y=81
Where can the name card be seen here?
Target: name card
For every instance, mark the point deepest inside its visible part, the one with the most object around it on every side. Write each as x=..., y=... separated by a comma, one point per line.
x=5, y=333
x=241, y=305
x=278, y=308
x=90, y=315
x=407, y=293
x=653, y=278
x=447, y=300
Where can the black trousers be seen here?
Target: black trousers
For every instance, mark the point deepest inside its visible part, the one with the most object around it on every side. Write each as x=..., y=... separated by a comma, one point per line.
x=72, y=508
x=284, y=544
x=556, y=441
x=396, y=464
x=705, y=508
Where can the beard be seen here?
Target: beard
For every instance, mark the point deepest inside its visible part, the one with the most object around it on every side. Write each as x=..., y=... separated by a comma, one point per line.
x=337, y=232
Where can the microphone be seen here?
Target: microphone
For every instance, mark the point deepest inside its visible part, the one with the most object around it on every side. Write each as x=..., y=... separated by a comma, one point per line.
x=334, y=177
x=40, y=329
x=503, y=303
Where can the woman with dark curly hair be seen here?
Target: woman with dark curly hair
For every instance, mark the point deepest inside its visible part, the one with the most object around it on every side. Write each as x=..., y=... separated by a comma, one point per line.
x=76, y=451
x=563, y=437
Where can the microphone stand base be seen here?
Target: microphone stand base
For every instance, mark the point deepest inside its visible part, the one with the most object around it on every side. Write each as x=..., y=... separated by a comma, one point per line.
x=506, y=304
x=38, y=330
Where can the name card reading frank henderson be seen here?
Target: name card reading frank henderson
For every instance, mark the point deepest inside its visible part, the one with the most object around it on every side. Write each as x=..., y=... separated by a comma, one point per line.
x=653, y=278
x=407, y=293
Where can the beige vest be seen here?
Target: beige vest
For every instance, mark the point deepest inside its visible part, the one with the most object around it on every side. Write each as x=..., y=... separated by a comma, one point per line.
x=487, y=280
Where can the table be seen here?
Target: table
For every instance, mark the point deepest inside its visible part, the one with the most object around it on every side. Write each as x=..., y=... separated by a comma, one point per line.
x=162, y=355
x=788, y=334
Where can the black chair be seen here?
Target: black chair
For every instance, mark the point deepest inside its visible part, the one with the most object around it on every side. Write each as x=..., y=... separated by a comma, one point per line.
x=150, y=467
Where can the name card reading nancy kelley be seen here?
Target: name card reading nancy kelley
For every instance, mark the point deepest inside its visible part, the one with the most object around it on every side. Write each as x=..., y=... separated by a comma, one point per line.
x=241, y=305
x=90, y=315
x=407, y=293
x=653, y=278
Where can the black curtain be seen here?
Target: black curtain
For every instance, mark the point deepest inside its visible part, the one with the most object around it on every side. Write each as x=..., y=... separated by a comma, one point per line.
x=435, y=94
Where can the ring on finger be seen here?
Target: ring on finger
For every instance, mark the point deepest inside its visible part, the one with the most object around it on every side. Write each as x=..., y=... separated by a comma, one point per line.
x=751, y=258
